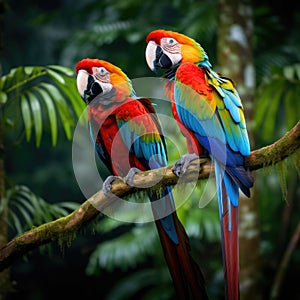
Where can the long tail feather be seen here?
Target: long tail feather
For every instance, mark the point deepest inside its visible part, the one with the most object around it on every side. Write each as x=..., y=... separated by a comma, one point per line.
x=228, y=209
x=187, y=277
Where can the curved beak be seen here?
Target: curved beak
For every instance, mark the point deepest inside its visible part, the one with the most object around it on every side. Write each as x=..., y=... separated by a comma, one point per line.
x=151, y=55
x=156, y=57
x=87, y=87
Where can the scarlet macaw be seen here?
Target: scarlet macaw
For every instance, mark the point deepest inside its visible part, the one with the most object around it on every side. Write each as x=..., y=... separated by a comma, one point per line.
x=210, y=114
x=130, y=126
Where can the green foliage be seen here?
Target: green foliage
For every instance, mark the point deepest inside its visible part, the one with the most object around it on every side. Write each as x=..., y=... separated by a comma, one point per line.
x=131, y=247
x=281, y=169
x=125, y=24
x=276, y=102
x=157, y=283
x=116, y=31
x=124, y=251
x=29, y=96
x=277, y=110
x=296, y=161
x=201, y=222
x=27, y=209
x=28, y=93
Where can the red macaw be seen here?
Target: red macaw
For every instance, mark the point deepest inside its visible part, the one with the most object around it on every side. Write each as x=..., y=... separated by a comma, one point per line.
x=208, y=108
x=130, y=126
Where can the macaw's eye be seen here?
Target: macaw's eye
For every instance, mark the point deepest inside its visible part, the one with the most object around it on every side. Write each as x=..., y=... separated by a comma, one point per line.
x=171, y=41
x=102, y=71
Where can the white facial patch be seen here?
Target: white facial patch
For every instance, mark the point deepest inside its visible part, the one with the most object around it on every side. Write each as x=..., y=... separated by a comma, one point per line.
x=171, y=48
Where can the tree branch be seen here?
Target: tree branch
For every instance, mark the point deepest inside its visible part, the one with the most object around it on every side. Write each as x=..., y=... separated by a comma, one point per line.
x=69, y=225
x=276, y=152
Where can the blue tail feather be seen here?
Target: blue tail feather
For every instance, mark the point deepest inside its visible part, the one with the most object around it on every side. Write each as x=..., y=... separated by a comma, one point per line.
x=163, y=209
x=223, y=179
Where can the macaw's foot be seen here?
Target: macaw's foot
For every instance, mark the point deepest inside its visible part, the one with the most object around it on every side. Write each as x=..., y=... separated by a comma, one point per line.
x=130, y=175
x=183, y=163
x=106, y=188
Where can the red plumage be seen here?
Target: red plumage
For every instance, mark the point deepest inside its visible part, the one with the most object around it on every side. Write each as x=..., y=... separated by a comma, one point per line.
x=186, y=275
x=230, y=252
x=107, y=90
x=197, y=81
x=209, y=113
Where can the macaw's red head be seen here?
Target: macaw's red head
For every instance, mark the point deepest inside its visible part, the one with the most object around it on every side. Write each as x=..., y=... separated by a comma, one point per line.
x=167, y=49
x=101, y=79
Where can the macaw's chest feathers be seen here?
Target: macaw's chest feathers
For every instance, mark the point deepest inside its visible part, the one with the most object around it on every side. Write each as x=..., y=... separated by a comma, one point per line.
x=128, y=135
x=193, y=76
x=116, y=155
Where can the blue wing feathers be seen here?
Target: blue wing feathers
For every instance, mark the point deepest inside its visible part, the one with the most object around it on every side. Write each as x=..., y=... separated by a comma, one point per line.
x=150, y=151
x=213, y=139
x=230, y=104
x=224, y=134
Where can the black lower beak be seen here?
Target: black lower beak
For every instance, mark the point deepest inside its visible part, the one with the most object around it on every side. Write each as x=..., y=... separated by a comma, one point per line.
x=93, y=89
x=162, y=60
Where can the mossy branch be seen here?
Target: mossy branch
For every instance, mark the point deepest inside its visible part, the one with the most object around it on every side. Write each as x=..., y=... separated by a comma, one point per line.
x=276, y=152
x=69, y=225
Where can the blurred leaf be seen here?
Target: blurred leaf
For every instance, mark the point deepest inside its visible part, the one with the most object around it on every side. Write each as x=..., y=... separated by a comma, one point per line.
x=26, y=116
x=56, y=76
x=27, y=209
x=281, y=169
x=276, y=103
x=292, y=107
x=35, y=87
x=3, y=97
x=297, y=69
x=107, y=225
x=288, y=72
x=270, y=116
x=62, y=107
x=69, y=89
x=125, y=251
x=14, y=221
x=155, y=282
x=37, y=116
x=64, y=70
x=51, y=113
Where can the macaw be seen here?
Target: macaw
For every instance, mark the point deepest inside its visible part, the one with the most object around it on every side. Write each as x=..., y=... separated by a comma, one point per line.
x=210, y=114
x=129, y=139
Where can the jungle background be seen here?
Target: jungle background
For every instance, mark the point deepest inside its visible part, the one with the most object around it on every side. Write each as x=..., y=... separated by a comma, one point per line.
x=113, y=260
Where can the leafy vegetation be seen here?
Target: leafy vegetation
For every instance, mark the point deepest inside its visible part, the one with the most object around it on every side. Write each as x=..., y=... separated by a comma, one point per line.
x=39, y=99
x=27, y=209
x=30, y=91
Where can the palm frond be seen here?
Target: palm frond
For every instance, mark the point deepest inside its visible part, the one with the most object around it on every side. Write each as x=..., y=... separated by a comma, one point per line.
x=125, y=251
x=156, y=284
x=27, y=209
x=31, y=93
x=276, y=101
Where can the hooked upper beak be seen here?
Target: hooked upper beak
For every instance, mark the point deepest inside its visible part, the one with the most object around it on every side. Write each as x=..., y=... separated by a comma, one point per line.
x=87, y=87
x=156, y=57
